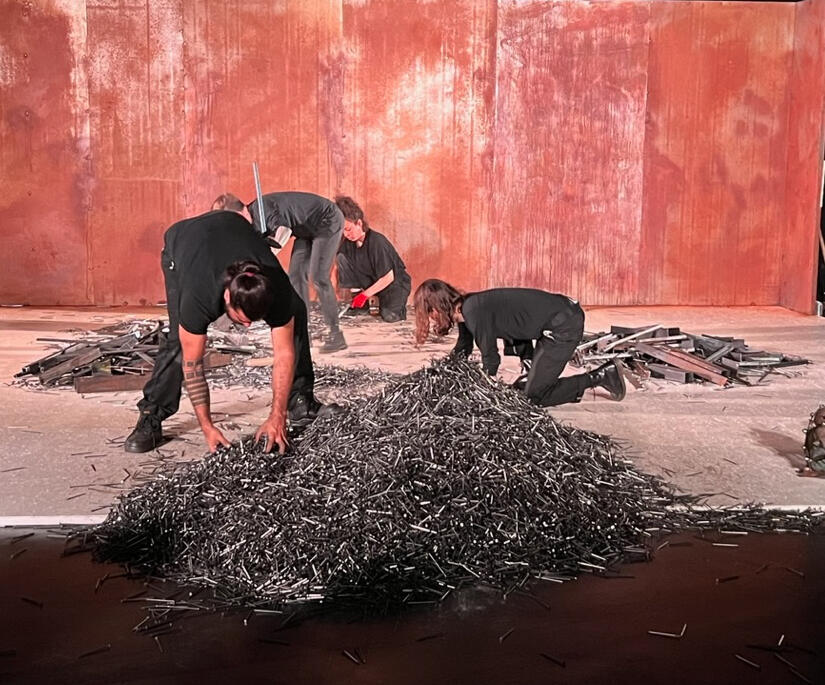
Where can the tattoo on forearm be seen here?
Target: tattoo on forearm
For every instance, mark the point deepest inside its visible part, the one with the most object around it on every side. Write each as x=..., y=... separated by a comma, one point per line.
x=194, y=381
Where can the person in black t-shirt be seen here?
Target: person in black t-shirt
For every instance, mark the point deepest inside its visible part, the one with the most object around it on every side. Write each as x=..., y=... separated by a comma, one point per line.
x=216, y=263
x=367, y=260
x=316, y=224
x=518, y=316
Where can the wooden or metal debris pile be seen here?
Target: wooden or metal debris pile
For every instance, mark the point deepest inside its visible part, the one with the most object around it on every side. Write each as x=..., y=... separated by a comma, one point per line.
x=446, y=478
x=662, y=352
x=119, y=357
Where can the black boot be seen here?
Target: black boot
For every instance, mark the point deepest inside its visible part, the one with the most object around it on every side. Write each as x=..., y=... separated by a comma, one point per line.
x=520, y=383
x=146, y=436
x=303, y=411
x=306, y=409
x=609, y=376
x=334, y=342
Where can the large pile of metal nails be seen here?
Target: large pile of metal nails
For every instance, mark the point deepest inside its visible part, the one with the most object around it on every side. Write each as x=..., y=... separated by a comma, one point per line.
x=444, y=479
x=337, y=383
x=662, y=352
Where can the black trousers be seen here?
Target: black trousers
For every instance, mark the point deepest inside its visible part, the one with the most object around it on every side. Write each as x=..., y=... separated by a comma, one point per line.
x=554, y=349
x=392, y=300
x=162, y=392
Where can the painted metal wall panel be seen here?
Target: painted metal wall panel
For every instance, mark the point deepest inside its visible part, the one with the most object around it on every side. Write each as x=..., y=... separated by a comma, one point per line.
x=255, y=91
x=135, y=80
x=44, y=170
x=800, y=247
x=715, y=153
x=569, y=147
x=414, y=149
x=624, y=152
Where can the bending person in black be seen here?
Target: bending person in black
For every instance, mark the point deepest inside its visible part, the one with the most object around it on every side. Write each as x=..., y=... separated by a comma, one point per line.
x=216, y=263
x=518, y=316
x=316, y=224
x=369, y=262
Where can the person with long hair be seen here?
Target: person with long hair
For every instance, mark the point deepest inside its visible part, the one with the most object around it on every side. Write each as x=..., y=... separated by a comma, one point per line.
x=518, y=316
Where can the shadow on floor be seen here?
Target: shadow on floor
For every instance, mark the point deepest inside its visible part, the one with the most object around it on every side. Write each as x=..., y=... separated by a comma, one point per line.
x=785, y=446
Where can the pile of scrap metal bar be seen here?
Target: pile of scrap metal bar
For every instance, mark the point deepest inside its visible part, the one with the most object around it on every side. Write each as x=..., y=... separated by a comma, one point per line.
x=121, y=357
x=117, y=358
x=662, y=352
x=446, y=478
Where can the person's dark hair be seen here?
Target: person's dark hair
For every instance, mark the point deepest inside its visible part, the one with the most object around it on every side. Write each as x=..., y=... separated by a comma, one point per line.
x=250, y=290
x=437, y=298
x=228, y=201
x=351, y=210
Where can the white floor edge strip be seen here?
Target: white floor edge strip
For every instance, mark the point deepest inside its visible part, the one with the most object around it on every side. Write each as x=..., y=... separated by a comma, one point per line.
x=37, y=521
x=92, y=520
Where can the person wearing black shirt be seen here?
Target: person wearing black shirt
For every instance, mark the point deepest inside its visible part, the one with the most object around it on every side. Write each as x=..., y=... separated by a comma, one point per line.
x=368, y=261
x=216, y=263
x=316, y=224
x=518, y=316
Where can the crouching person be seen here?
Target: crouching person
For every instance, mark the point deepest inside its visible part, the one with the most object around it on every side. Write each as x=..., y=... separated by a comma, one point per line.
x=367, y=261
x=518, y=316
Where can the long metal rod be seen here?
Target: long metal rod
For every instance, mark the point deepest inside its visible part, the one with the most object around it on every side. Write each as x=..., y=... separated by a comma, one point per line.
x=261, y=216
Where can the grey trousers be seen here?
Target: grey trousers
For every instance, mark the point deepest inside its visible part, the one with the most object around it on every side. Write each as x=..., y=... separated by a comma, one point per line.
x=312, y=259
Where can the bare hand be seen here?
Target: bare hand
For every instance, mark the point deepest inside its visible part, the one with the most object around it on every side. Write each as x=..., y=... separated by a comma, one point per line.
x=273, y=431
x=214, y=438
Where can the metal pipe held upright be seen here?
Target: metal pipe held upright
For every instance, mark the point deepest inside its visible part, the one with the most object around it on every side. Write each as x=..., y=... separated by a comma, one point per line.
x=261, y=216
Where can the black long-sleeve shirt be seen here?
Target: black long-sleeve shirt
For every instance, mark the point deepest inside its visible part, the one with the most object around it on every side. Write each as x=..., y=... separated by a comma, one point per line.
x=507, y=313
x=307, y=214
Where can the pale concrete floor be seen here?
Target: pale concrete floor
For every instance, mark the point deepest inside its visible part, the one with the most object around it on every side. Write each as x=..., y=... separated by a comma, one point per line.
x=745, y=442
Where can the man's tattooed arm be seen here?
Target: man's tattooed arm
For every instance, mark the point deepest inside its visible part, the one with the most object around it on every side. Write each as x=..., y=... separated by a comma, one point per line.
x=193, y=347
x=195, y=383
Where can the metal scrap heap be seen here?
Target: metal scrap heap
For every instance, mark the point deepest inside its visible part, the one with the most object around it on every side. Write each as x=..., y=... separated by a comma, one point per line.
x=446, y=478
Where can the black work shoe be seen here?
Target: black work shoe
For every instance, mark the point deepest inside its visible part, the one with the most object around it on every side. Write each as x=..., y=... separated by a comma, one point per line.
x=609, y=376
x=330, y=409
x=146, y=436
x=303, y=411
x=520, y=383
x=391, y=317
x=306, y=410
x=334, y=342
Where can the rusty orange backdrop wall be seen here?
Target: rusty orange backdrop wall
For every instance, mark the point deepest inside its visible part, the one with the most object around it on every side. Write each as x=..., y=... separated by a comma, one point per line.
x=622, y=152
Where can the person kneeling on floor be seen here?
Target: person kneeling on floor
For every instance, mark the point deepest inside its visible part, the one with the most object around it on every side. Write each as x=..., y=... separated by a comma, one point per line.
x=213, y=264
x=518, y=316
x=368, y=261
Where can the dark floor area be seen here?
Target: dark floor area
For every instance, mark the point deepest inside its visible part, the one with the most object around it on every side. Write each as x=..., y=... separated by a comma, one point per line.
x=56, y=627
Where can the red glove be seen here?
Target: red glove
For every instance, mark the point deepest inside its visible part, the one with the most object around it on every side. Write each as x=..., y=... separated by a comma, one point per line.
x=359, y=301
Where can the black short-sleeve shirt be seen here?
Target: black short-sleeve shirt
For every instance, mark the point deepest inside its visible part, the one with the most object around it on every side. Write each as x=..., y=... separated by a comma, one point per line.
x=201, y=248
x=374, y=259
